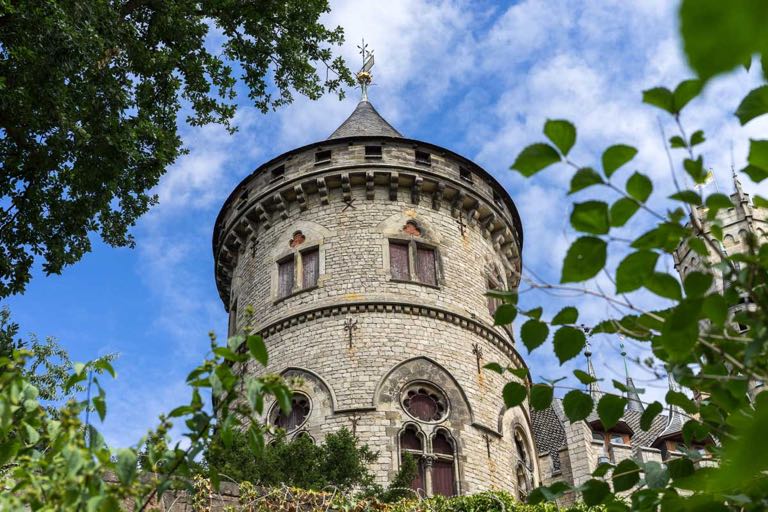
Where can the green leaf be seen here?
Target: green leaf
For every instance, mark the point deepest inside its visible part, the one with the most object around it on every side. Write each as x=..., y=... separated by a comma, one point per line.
x=656, y=476
x=687, y=196
x=584, y=259
x=696, y=283
x=695, y=169
x=562, y=133
x=697, y=138
x=534, y=313
x=650, y=412
x=567, y=315
x=100, y=404
x=639, y=186
x=505, y=314
x=685, y=92
x=534, y=158
x=495, y=367
x=610, y=409
x=715, y=308
x=533, y=333
x=634, y=269
x=590, y=217
x=663, y=285
x=753, y=105
x=514, y=394
x=681, y=330
x=541, y=396
x=756, y=174
x=678, y=398
x=717, y=202
x=680, y=468
x=594, y=492
x=760, y=201
x=257, y=348
x=583, y=178
x=584, y=377
x=569, y=342
x=577, y=405
x=676, y=141
x=616, y=156
x=758, y=153
x=660, y=97
x=626, y=474
x=8, y=450
x=284, y=398
x=719, y=36
x=623, y=210
x=125, y=467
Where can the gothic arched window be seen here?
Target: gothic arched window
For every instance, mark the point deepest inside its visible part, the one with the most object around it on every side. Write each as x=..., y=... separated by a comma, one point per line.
x=300, y=408
x=411, y=445
x=443, y=481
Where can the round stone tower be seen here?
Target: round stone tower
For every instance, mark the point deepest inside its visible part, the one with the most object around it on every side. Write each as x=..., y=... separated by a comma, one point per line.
x=366, y=258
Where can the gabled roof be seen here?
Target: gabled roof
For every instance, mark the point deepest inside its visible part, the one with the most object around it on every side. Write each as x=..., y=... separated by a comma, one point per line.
x=364, y=121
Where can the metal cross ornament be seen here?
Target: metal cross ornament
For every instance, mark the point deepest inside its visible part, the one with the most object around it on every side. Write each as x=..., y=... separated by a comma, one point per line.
x=461, y=223
x=349, y=326
x=364, y=76
x=487, y=440
x=478, y=355
x=348, y=204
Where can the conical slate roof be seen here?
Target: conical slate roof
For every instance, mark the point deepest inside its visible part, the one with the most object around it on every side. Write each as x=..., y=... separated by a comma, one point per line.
x=364, y=121
x=633, y=396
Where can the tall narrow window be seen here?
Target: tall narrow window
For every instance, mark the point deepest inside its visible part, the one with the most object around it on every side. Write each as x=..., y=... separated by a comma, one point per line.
x=410, y=444
x=442, y=468
x=398, y=261
x=285, y=277
x=310, y=261
x=425, y=265
x=233, y=318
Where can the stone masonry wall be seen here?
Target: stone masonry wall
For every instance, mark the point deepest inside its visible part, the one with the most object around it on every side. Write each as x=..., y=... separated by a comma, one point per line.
x=404, y=331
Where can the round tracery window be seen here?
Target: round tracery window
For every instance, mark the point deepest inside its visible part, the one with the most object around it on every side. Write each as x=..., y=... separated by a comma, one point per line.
x=300, y=408
x=424, y=402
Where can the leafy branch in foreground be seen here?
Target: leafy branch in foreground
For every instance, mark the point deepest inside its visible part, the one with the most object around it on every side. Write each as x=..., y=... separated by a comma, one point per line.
x=55, y=462
x=710, y=330
x=91, y=94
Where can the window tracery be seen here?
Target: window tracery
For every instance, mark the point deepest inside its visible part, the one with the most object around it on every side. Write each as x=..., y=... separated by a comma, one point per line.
x=424, y=402
x=300, y=409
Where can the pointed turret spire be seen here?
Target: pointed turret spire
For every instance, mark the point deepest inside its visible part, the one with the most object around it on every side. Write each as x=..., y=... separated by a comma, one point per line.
x=738, y=190
x=634, y=403
x=675, y=420
x=592, y=388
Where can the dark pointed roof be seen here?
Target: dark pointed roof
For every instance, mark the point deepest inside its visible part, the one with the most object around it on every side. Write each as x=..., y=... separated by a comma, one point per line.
x=633, y=396
x=364, y=121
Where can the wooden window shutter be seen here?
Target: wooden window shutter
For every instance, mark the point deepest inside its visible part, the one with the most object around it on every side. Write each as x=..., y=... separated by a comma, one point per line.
x=398, y=261
x=285, y=277
x=310, y=261
x=425, y=265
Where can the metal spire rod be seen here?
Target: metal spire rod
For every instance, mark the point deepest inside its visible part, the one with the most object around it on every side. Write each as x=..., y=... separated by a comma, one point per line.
x=364, y=76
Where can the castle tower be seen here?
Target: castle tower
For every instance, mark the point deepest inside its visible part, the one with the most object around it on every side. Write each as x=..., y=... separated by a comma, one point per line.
x=366, y=258
x=737, y=222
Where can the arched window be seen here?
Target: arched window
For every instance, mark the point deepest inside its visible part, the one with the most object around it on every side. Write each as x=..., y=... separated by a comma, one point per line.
x=522, y=451
x=522, y=484
x=443, y=481
x=411, y=444
x=300, y=408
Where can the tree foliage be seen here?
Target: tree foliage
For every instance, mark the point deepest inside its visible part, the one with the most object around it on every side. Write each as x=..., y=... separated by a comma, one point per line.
x=339, y=461
x=91, y=94
x=711, y=335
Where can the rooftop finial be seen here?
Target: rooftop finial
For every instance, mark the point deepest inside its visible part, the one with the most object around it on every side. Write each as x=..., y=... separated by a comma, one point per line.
x=364, y=76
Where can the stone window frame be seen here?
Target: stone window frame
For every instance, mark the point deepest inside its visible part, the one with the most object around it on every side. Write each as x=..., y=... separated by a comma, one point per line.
x=414, y=243
x=274, y=411
x=296, y=253
x=426, y=457
x=426, y=384
x=526, y=465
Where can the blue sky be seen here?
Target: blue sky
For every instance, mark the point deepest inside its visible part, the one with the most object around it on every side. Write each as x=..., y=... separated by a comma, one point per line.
x=477, y=77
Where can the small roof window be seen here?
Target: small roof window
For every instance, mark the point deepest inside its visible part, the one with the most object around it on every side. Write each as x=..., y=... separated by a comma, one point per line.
x=423, y=158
